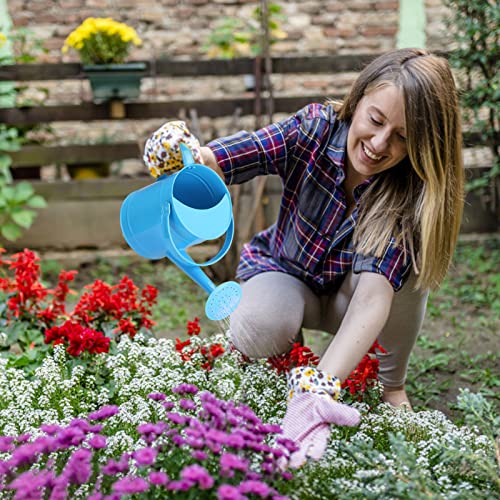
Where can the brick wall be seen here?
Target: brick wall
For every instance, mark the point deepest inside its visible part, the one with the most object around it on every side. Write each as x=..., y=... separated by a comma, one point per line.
x=179, y=28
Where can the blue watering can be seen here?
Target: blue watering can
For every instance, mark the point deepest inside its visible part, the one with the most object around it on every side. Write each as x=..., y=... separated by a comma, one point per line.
x=178, y=211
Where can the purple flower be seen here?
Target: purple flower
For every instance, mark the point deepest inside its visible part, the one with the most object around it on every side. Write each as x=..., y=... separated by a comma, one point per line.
x=145, y=456
x=185, y=389
x=97, y=442
x=252, y=475
x=198, y=474
x=26, y=454
x=194, y=442
x=112, y=467
x=79, y=468
x=235, y=441
x=288, y=444
x=95, y=496
x=255, y=488
x=104, y=413
x=29, y=484
x=214, y=411
x=227, y=492
x=168, y=405
x=199, y=455
x=50, y=429
x=157, y=396
x=149, y=431
x=179, y=485
x=177, y=418
x=178, y=440
x=216, y=436
x=81, y=424
x=23, y=438
x=158, y=478
x=187, y=404
x=70, y=436
x=229, y=461
x=129, y=485
x=6, y=443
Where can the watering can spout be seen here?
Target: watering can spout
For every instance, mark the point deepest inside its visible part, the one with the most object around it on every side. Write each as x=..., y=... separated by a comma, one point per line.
x=179, y=211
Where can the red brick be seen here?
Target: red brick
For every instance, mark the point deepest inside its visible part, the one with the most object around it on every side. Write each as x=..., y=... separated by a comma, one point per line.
x=378, y=30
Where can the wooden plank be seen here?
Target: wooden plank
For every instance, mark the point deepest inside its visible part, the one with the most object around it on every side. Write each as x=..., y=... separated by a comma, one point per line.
x=143, y=110
x=90, y=190
x=93, y=153
x=200, y=67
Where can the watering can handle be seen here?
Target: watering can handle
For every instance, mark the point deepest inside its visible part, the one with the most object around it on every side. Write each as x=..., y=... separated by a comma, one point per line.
x=186, y=258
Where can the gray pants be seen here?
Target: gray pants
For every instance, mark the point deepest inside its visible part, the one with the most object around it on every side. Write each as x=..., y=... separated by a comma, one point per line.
x=275, y=306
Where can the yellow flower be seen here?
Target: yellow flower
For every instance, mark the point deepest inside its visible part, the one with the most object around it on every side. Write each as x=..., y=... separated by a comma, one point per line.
x=3, y=39
x=102, y=40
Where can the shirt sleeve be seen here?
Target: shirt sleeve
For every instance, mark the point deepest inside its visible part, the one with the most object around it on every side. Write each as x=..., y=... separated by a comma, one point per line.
x=270, y=150
x=394, y=264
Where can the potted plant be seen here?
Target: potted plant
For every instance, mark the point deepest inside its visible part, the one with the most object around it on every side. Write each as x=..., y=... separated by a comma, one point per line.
x=103, y=46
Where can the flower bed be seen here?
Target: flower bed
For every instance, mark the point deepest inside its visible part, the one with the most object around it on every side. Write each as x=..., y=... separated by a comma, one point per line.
x=93, y=406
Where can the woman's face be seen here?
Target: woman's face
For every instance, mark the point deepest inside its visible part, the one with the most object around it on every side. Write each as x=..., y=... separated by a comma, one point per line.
x=377, y=137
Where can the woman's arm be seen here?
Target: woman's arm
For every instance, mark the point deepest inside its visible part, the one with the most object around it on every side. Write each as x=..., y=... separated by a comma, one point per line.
x=365, y=317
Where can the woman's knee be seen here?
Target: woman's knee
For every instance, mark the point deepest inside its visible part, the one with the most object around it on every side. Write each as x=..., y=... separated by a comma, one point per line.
x=260, y=337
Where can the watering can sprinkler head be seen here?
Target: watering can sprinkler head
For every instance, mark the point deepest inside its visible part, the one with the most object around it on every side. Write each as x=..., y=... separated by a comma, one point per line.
x=178, y=211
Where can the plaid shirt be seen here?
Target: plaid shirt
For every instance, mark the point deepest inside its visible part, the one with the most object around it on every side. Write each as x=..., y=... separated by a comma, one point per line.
x=312, y=238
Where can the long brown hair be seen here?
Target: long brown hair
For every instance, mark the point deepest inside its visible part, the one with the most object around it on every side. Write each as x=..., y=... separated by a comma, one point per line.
x=420, y=201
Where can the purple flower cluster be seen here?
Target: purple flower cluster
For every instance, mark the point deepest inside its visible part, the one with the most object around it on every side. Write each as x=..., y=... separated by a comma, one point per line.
x=208, y=445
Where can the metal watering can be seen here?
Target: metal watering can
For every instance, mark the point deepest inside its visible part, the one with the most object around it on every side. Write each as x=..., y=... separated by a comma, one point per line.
x=178, y=211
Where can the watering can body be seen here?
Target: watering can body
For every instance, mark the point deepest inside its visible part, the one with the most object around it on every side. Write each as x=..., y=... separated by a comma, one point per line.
x=176, y=212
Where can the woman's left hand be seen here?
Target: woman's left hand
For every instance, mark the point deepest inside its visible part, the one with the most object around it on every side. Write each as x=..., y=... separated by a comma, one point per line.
x=312, y=408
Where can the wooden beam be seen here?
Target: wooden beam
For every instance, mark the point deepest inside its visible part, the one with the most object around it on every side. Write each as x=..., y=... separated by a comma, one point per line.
x=88, y=111
x=29, y=156
x=201, y=67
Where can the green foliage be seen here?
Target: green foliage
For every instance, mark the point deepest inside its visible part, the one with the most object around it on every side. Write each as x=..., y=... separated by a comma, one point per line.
x=475, y=27
x=17, y=201
x=235, y=37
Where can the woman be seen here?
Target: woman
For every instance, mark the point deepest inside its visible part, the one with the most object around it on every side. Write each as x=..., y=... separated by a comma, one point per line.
x=369, y=218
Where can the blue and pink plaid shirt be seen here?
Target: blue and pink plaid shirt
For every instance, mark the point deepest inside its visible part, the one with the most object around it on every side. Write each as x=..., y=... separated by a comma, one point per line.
x=312, y=238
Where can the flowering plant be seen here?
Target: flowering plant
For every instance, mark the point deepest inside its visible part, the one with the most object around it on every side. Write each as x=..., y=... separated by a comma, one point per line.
x=34, y=316
x=102, y=41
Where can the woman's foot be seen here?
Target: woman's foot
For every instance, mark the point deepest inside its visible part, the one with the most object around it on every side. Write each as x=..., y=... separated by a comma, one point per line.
x=397, y=397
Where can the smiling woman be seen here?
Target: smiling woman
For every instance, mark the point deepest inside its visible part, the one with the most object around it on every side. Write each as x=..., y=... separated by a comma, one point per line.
x=370, y=214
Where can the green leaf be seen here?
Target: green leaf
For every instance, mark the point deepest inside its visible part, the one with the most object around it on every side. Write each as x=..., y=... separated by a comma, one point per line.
x=24, y=218
x=23, y=191
x=37, y=201
x=10, y=231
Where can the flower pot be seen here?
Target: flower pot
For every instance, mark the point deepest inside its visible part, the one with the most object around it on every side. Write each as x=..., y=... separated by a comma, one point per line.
x=115, y=81
x=81, y=172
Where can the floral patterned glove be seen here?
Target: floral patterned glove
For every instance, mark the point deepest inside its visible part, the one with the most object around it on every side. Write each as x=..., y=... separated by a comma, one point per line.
x=162, y=152
x=312, y=407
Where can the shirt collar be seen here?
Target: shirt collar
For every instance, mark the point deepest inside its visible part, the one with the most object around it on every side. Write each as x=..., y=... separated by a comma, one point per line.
x=336, y=152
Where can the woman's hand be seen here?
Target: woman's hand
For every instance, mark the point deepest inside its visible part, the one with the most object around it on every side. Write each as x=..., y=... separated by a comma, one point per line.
x=312, y=408
x=162, y=153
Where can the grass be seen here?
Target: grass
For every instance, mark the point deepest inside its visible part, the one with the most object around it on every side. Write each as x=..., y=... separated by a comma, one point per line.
x=458, y=346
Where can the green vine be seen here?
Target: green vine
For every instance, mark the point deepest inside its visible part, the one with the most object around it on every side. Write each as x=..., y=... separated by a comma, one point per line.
x=475, y=27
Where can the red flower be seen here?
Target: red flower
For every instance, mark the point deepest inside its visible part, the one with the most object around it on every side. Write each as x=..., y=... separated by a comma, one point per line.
x=216, y=350
x=298, y=356
x=78, y=338
x=365, y=375
x=193, y=327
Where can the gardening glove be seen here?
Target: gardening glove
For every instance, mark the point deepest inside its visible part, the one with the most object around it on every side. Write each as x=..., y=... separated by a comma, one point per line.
x=312, y=407
x=162, y=153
